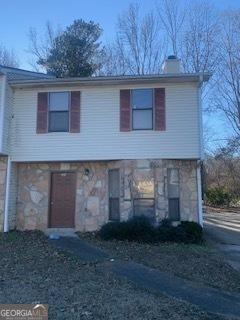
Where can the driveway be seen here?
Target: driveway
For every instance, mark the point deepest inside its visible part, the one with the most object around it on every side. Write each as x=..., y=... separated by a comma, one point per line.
x=222, y=228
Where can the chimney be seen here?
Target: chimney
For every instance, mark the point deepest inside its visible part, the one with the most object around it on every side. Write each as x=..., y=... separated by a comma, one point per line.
x=172, y=65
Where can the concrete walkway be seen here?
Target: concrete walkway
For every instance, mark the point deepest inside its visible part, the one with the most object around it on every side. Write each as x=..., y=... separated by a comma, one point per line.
x=222, y=228
x=155, y=281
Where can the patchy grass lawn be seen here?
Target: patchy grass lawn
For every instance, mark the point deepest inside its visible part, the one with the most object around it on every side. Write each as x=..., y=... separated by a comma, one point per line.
x=31, y=270
x=194, y=262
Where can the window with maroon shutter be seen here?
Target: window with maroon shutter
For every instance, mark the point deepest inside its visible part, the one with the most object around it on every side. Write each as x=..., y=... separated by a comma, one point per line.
x=142, y=109
x=160, y=109
x=58, y=112
x=125, y=110
x=75, y=111
x=42, y=112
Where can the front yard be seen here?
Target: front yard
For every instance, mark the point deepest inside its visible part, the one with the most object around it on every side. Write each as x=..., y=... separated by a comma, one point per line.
x=201, y=264
x=31, y=270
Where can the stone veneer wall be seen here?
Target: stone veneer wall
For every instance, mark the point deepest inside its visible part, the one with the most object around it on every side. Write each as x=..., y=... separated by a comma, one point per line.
x=3, y=172
x=92, y=191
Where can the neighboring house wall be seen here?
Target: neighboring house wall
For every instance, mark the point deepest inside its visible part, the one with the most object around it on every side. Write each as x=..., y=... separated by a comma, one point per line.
x=1, y=84
x=100, y=137
x=92, y=203
x=3, y=170
x=7, y=119
x=1, y=108
x=12, y=213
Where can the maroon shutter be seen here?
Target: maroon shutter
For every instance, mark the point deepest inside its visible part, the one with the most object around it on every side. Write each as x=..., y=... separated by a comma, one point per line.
x=42, y=112
x=160, y=109
x=125, y=110
x=75, y=111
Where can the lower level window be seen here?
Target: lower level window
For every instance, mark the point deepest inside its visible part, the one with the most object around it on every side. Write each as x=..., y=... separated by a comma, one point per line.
x=143, y=193
x=144, y=207
x=173, y=194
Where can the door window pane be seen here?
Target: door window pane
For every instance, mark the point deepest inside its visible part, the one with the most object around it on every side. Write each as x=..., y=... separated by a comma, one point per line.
x=142, y=98
x=58, y=121
x=58, y=101
x=142, y=119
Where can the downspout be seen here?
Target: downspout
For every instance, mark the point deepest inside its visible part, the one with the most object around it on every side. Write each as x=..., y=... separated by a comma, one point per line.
x=7, y=194
x=199, y=192
x=201, y=154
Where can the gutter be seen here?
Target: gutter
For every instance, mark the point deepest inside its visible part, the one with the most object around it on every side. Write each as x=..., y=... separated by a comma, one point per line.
x=7, y=196
x=199, y=192
x=112, y=80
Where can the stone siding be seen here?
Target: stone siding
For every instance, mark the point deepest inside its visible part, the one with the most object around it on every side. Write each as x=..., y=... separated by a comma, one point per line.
x=3, y=172
x=92, y=190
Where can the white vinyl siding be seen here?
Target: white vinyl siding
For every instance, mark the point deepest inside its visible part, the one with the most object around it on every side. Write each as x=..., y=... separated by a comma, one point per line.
x=7, y=119
x=100, y=137
x=1, y=107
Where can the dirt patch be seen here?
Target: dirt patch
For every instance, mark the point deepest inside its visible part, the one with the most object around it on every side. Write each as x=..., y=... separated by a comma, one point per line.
x=201, y=264
x=32, y=270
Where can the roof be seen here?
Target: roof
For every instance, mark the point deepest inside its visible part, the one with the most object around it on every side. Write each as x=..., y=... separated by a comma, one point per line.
x=21, y=74
x=112, y=80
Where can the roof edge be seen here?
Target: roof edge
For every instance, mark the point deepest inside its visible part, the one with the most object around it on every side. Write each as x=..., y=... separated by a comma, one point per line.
x=27, y=71
x=112, y=80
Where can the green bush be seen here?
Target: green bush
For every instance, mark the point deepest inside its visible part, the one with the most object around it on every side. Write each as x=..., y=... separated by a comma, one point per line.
x=136, y=229
x=218, y=196
x=140, y=229
x=191, y=232
x=186, y=232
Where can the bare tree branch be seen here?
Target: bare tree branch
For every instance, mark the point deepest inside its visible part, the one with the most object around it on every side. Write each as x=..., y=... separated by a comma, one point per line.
x=172, y=18
x=138, y=47
x=227, y=95
x=8, y=57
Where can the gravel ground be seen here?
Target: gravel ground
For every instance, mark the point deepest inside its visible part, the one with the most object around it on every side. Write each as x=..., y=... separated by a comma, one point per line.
x=194, y=262
x=31, y=271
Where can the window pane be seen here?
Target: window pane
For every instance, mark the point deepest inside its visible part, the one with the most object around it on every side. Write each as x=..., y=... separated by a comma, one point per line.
x=144, y=207
x=58, y=101
x=114, y=209
x=58, y=121
x=142, y=119
x=143, y=183
x=173, y=209
x=173, y=183
x=142, y=98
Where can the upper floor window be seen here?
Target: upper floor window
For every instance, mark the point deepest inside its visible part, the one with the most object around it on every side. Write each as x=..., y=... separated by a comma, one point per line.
x=58, y=112
x=142, y=109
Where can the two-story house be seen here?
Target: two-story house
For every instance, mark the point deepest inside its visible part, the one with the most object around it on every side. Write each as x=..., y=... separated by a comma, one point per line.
x=79, y=152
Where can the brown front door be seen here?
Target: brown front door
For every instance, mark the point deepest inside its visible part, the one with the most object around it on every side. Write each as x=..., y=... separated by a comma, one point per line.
x=62, y=200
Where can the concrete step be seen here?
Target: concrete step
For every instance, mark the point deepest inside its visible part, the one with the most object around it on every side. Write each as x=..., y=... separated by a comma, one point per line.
x=60, y=232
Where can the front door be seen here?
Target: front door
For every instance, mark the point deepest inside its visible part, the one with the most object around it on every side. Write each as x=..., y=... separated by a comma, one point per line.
x=62, y=200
